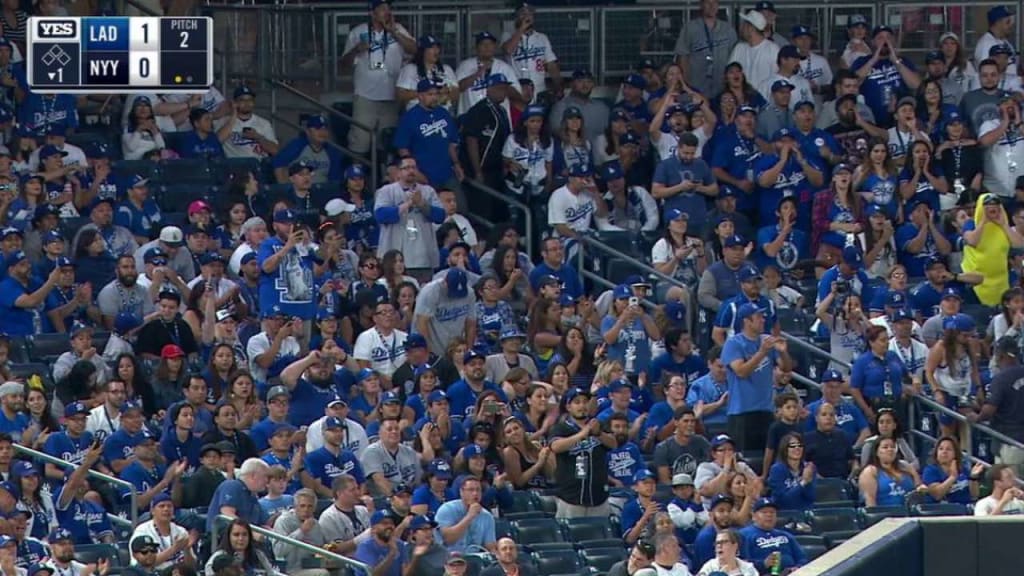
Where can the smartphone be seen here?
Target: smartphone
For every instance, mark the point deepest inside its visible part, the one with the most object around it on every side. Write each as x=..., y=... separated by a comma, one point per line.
x=634, y=301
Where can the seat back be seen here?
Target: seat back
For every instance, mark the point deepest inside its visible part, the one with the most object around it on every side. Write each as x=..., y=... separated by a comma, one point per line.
x=47, y=347
x=873, y=515
x=556, y=561
x=602, y=559
x=940, y=509
x=538, y=530
x=824, y=520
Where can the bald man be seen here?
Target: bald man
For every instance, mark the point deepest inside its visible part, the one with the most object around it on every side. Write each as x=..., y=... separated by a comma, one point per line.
x=508, y=563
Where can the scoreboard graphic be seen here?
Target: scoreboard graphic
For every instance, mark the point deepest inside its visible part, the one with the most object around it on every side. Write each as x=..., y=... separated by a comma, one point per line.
x=120, y=54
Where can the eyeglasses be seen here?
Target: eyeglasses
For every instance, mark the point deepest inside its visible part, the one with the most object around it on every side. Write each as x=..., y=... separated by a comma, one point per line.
x=722, y=542
x=898, y=275
x=385, y=312
x=796, y=445
x=147, y=551
x=370, y=265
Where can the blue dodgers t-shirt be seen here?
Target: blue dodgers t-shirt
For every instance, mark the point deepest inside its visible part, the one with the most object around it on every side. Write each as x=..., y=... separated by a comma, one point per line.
x=15, y=321
x=194, y=146
x=427, y=135
x=570, y=278
x=664, y=366
x=849, y=418
x=870, y=373
x=142, y=479
x=960, y=493
x=914, y=263
x=325, y=466
x=174, y=450
x=121, y=445
x=924, y=192
x=754, y=393
x=423, y=495
x=811, y=143
x=791, y=181
x=795, y=248
x=736, y=155
x=233, y=493
x=107, y=188
x=882, y=86
x=325, y=160
x=757, y=544
x=726, y=317
x=86, y=521
x=291, y=285
x=16, y=426
x=925, y=298
x=372, y=553
x=624, y=462
x=673, y=171
x=138, y=221
x=39, y=113
x=632, y=338
x=68, y=449
x=308, y=401
x=462, y=398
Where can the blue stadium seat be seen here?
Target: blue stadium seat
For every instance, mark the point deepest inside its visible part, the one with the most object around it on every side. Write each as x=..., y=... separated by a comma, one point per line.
x=528, y=515
x=176, y=197
x=221, y=168
x=143, y=168
x=538, y=530
x=502, y=528
x=90, y=553
x=18, y=349
x=550, y=562
x=523, y=501
x=832, y=492
x=812, y=545
x=587, y=528
x=940, y=509
x=185, y=171
x=597, y=543
x=99, y=340
x=834, y=523
x=602, y=559
x=869, y=516
x=47, y=347
x=476, y=562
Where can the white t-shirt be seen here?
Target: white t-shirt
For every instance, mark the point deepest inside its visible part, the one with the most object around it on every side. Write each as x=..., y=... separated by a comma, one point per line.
x=986, y=42
x=816, y=69
x=531, y=57
x=574, y=210
x=235, y=262
x=385, y=354
x=75, y=157
x=224, y=285
x=801, y=91
x=712, y=566
x=211, y=100
x=238, y=146
x=163, y=542
x=409, y=78
x=355, y=439
x=259, y=344
x=533, y=159
x=375, y=71
x=1004, y=160
x=986, y=505
x=100, y=419
x=668, y=143
x=759, y=62
x=478, y=91
x=465, y=228
x=678, y=569
x=163, y=123
x=886, y=257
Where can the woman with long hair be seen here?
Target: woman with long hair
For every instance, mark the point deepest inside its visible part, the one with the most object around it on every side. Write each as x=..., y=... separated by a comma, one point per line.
x=875, y=179
x=1010, y=320
x=838, y=212
x=504, y=235
x=128, y=370
x=339, y=264
x=544, y=331
x=742, y=91
x=577, y=356
x=921, y=179
x=932, y=109
x=236, y=540
x=744, y=492
x=169, y=377
x=427, y=65
x=886, y=481
x=847, y=323
x=242, y=395
x=29, y=195
x=674, y=83
x=528, y=154
x=571, y=145
x=539, y=414
x=425, y=381
x=228, y=235
x=195, y=308
x=878, y=242
x=948, y=477
x=404, y=301
x=392, y=271
x=606, y=145
x=791, y=478
x=958, y=66
x=678, y=253
x=558, y=377
x=727, y=559
x=513, y=281
x=144, y=131
x=218, y=372
x=952, y=370
x=40, y=416
x=961, y=160
x=723, y=228
x=28, y=484
x=527, y=463
x=887, y=425
x=93, y=262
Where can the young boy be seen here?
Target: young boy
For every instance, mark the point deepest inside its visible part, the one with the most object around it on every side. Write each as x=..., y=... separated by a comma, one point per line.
x=200, y=487
x=787, y=417
x=281, y=454
x=688, y=516
x=276, y=500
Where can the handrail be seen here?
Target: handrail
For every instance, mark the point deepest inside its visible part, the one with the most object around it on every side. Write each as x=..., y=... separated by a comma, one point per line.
x=339, y=147
x=287, y=539
x=142, y=8
x=814, y=350
x=374, y=134
x=480, y=186
x=649, y=270
x=132, y=494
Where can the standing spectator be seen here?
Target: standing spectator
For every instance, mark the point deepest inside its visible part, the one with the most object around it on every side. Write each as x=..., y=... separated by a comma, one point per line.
x=428, y=133
x=486, y=126
x=172, y=242
x=375, y=52
x=1000, y=31
x=239, y=497
x=756, y=53
x=244, y=133
x=474, y=74
x=445, y=309
x=464, y=523
x=884, y=76
x=594, y=112
x=581, y=447
x=530, y=53
x=22, y=297
x=286, y=265
x=751, y=357
x=1004, y=403
x=703, y=48
x=988, y=238
x=684, y=181
x=406, y=212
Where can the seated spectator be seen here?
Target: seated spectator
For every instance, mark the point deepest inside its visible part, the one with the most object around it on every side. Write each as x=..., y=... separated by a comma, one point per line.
x=828, y=447
x=727, y=560
x=171, y=542
x=715, y=476
x=201, y=141
x=68, y=304
x=22, y=297
x=791, y=478
x=765, y=546
x=244, y=133
x=299, y=523
x=463, y=522
x=787, y=418
x=1006, y=496
x=886, y=480
x=80, y=336
x=237, y=541
x=144, y=131
x=887, y=425
x=82, y=521
x=138, y=213
x=310, y=146
x=948, y=478
x=849, y=417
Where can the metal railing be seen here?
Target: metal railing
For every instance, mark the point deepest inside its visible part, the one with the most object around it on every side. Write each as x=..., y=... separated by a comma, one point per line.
x=266, y=533
x=371, y=161
x=133, y=496
x=507, y=199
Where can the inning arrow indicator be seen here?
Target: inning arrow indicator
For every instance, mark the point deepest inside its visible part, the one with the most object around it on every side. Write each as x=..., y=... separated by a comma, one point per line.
x=52, y=75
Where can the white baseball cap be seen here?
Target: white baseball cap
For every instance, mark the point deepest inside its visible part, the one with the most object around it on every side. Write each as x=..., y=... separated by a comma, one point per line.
x=756, y=19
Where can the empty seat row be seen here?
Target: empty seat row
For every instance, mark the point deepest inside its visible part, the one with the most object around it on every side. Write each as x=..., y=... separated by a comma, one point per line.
x=541, y=531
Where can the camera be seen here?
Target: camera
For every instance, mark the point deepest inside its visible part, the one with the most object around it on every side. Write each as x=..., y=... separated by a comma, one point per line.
x=843, y=287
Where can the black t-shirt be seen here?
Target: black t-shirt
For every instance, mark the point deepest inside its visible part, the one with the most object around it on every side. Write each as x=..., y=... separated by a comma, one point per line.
x=776, y=431
x=1006, y=393
x=156, y=334
x=581, y=475
x=244, y=446
x=489, y=124
x=969, y=165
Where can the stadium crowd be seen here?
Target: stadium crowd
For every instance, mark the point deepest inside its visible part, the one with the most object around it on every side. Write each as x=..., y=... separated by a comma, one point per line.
x=239, y=326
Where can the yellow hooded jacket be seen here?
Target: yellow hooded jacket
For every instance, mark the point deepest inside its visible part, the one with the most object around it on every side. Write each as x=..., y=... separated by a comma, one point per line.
x=988, y=258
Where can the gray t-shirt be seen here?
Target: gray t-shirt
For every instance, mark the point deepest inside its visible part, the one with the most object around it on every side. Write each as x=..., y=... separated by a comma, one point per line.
x=447, y=315
x=114, y=298
x=402, y=466
x=682, y=459
x=181, y=262
x=703, y=73
x=978, y=106
x=431, y=562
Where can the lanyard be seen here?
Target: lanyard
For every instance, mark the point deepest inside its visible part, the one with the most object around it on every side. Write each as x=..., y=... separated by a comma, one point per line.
x=172, y=325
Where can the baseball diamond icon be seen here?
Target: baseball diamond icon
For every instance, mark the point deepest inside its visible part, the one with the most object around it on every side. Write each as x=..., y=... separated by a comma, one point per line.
x=56, y=54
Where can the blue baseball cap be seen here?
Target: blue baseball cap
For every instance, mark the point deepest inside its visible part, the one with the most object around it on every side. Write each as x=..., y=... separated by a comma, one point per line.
x=734, y=241
x=98, y=150
x=572, y=393
x=382, y=516
x=722, y=439
x=1000, y=50
x=782, y=85
x=300, y=166
x=473, y=354
x=872, y=209
x=997, y=13
x=643, y=474
x=747, y=310
x=137, y=180
x=951, y=292
x=782, y=133
x=437, y=396
x=675, y=311
x=857, y=20
x=618, y=384
x=155, y=255
x=801, y=30
x=16, y=258
x=243, y=90
x=52, y=236
x=457, y=283
x=636, y=81
x=413, y=341
x=959, y=322
x=628, y=138
x=50, y=150
x=622, y=291
x=881, y=28
x=831, y=376
x=420, y=522
x=762, y=503
x=131, y=405
x=497, y=80
x=719, y=499
x=426, y=84
x=485, y=35
x=285, y=427
x=355, y=171
x=852, y=256
x=788, y=51
x=75, y=408
x=40, y=567
x=748, y=273
x=676, y=214
x=472, y=451
x=316, y=121
x=391, y=397
x=365, y=373
x=60, y=534
x=511, y=333
x=22, y=468
x=439, y=468
x=428, y=41
x=333, y=423
x=284, y=216
x=160, y=499
x=675, y=109
x=582, y=73
x=11, y=231
x=934, y=56
x=580, y=171
x=612, y=171
x=902, y=314
x=421, y=370
x=531, y=111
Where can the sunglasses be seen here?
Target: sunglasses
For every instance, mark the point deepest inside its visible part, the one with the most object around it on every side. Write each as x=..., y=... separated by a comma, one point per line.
x=370, y=266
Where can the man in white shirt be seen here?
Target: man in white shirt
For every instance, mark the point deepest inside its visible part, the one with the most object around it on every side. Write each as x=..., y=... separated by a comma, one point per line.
x=211, y=268
x=1000, y=31
x=381, y=348
x=813, y=67
x=474, y=71
x=756, y=54
x=1006, y=497
x=572, y=208
x=173, y=543
x=530, y=53
x=449, y=202
x=254, y=232
x=105, y=419
x=245, y=134
x=354, y=437
x=788, y=62
x=273, y=343
x=57, y=137
x=375, y=52
x=1003, y=142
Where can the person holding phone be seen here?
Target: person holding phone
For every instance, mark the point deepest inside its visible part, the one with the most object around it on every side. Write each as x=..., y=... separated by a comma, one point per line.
x=628, y=330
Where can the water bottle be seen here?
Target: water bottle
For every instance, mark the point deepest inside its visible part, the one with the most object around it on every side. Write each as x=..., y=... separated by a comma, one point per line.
x=631, y=359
